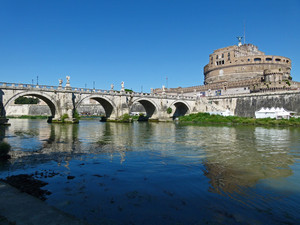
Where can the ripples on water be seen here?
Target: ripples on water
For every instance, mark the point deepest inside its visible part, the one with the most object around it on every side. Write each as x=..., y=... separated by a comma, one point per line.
x=162, y=173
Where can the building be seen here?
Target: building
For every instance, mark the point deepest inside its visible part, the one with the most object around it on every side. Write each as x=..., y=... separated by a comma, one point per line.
x=241, y=68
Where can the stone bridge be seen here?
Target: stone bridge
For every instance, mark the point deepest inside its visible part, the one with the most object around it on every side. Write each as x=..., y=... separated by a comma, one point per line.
x=64, y=101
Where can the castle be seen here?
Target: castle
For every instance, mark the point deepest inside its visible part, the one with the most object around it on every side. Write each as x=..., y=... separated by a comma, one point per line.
x=241, y=69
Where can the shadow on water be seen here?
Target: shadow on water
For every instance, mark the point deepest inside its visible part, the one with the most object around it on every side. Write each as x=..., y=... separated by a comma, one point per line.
x=2, y=133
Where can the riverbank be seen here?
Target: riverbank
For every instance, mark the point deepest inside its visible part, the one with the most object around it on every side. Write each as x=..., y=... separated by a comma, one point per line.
x=20, y=208
x=206, y=118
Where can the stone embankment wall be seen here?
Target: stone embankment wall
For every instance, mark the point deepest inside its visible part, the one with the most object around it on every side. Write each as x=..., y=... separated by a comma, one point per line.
x=28, y=110
x=246, y=105
x=44, y=110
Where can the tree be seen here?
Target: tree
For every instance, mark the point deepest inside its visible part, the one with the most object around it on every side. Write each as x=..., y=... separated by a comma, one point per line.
x=25, y=100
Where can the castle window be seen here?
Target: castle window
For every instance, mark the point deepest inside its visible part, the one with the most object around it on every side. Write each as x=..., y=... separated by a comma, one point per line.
x=287, y=61
x=222, y=61
x=248, y=60
x=277, y=60
x=222, y=55
x=257, y=59
x=217, y=57
x=268, y=59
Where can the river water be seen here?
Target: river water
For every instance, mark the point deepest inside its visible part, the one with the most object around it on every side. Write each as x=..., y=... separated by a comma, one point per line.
x=161, y=173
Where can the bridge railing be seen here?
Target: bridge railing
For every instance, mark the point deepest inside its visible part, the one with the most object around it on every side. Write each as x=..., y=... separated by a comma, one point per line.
x=89, y=91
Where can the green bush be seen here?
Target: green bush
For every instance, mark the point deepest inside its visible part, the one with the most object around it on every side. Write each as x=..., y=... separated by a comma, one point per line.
x=135, y=117
x=65, y=116
x=76, y=115
x=204, y=118
x=169, y=110
x=4, y=149
x=125, y=118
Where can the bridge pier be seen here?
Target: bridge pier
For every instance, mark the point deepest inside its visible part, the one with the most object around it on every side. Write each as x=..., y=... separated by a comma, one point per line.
x=4, y=121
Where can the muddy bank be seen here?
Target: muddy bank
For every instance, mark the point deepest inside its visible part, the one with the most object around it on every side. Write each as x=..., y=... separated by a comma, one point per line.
x=28, y=184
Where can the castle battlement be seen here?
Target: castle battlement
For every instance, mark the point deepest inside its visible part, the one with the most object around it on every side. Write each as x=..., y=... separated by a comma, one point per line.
x=242, y=62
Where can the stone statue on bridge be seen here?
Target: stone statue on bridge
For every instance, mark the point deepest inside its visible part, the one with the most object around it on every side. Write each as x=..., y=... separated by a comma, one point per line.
x=112, y=87
x=60, y=82
x=122, y=86
x=68, y=82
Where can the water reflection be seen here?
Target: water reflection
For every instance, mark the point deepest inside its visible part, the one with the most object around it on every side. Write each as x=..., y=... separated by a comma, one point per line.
x=243, y=156
x=234, y=157
x=131, y=170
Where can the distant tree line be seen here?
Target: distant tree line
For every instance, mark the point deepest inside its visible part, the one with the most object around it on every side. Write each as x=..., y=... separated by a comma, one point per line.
x=25, y=100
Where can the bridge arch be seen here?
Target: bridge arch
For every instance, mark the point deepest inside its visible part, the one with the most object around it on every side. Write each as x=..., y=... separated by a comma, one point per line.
x=180, y=108
x=40, y=95
x=108, y=106
x=149, y=105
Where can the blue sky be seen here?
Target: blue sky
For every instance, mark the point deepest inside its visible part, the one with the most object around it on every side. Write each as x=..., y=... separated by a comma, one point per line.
x=139, y=42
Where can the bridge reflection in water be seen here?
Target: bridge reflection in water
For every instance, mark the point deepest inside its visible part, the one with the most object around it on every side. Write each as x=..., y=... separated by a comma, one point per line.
x=233, y=157
x=169, y=162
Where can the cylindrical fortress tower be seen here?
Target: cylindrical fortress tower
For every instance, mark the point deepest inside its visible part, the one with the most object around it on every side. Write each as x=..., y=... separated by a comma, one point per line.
x=244, y=62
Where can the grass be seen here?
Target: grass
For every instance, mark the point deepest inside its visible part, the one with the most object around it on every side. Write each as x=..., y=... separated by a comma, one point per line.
x=206, y=118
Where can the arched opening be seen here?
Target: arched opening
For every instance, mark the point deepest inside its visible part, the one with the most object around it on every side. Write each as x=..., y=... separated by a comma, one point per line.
x=180, y=109
x=45, y=108
x=137, y=109
x=96, y=106
x=257, y=59
x=146, y=108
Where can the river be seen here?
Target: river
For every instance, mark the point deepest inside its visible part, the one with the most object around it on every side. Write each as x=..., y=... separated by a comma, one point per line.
x=161, y=173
